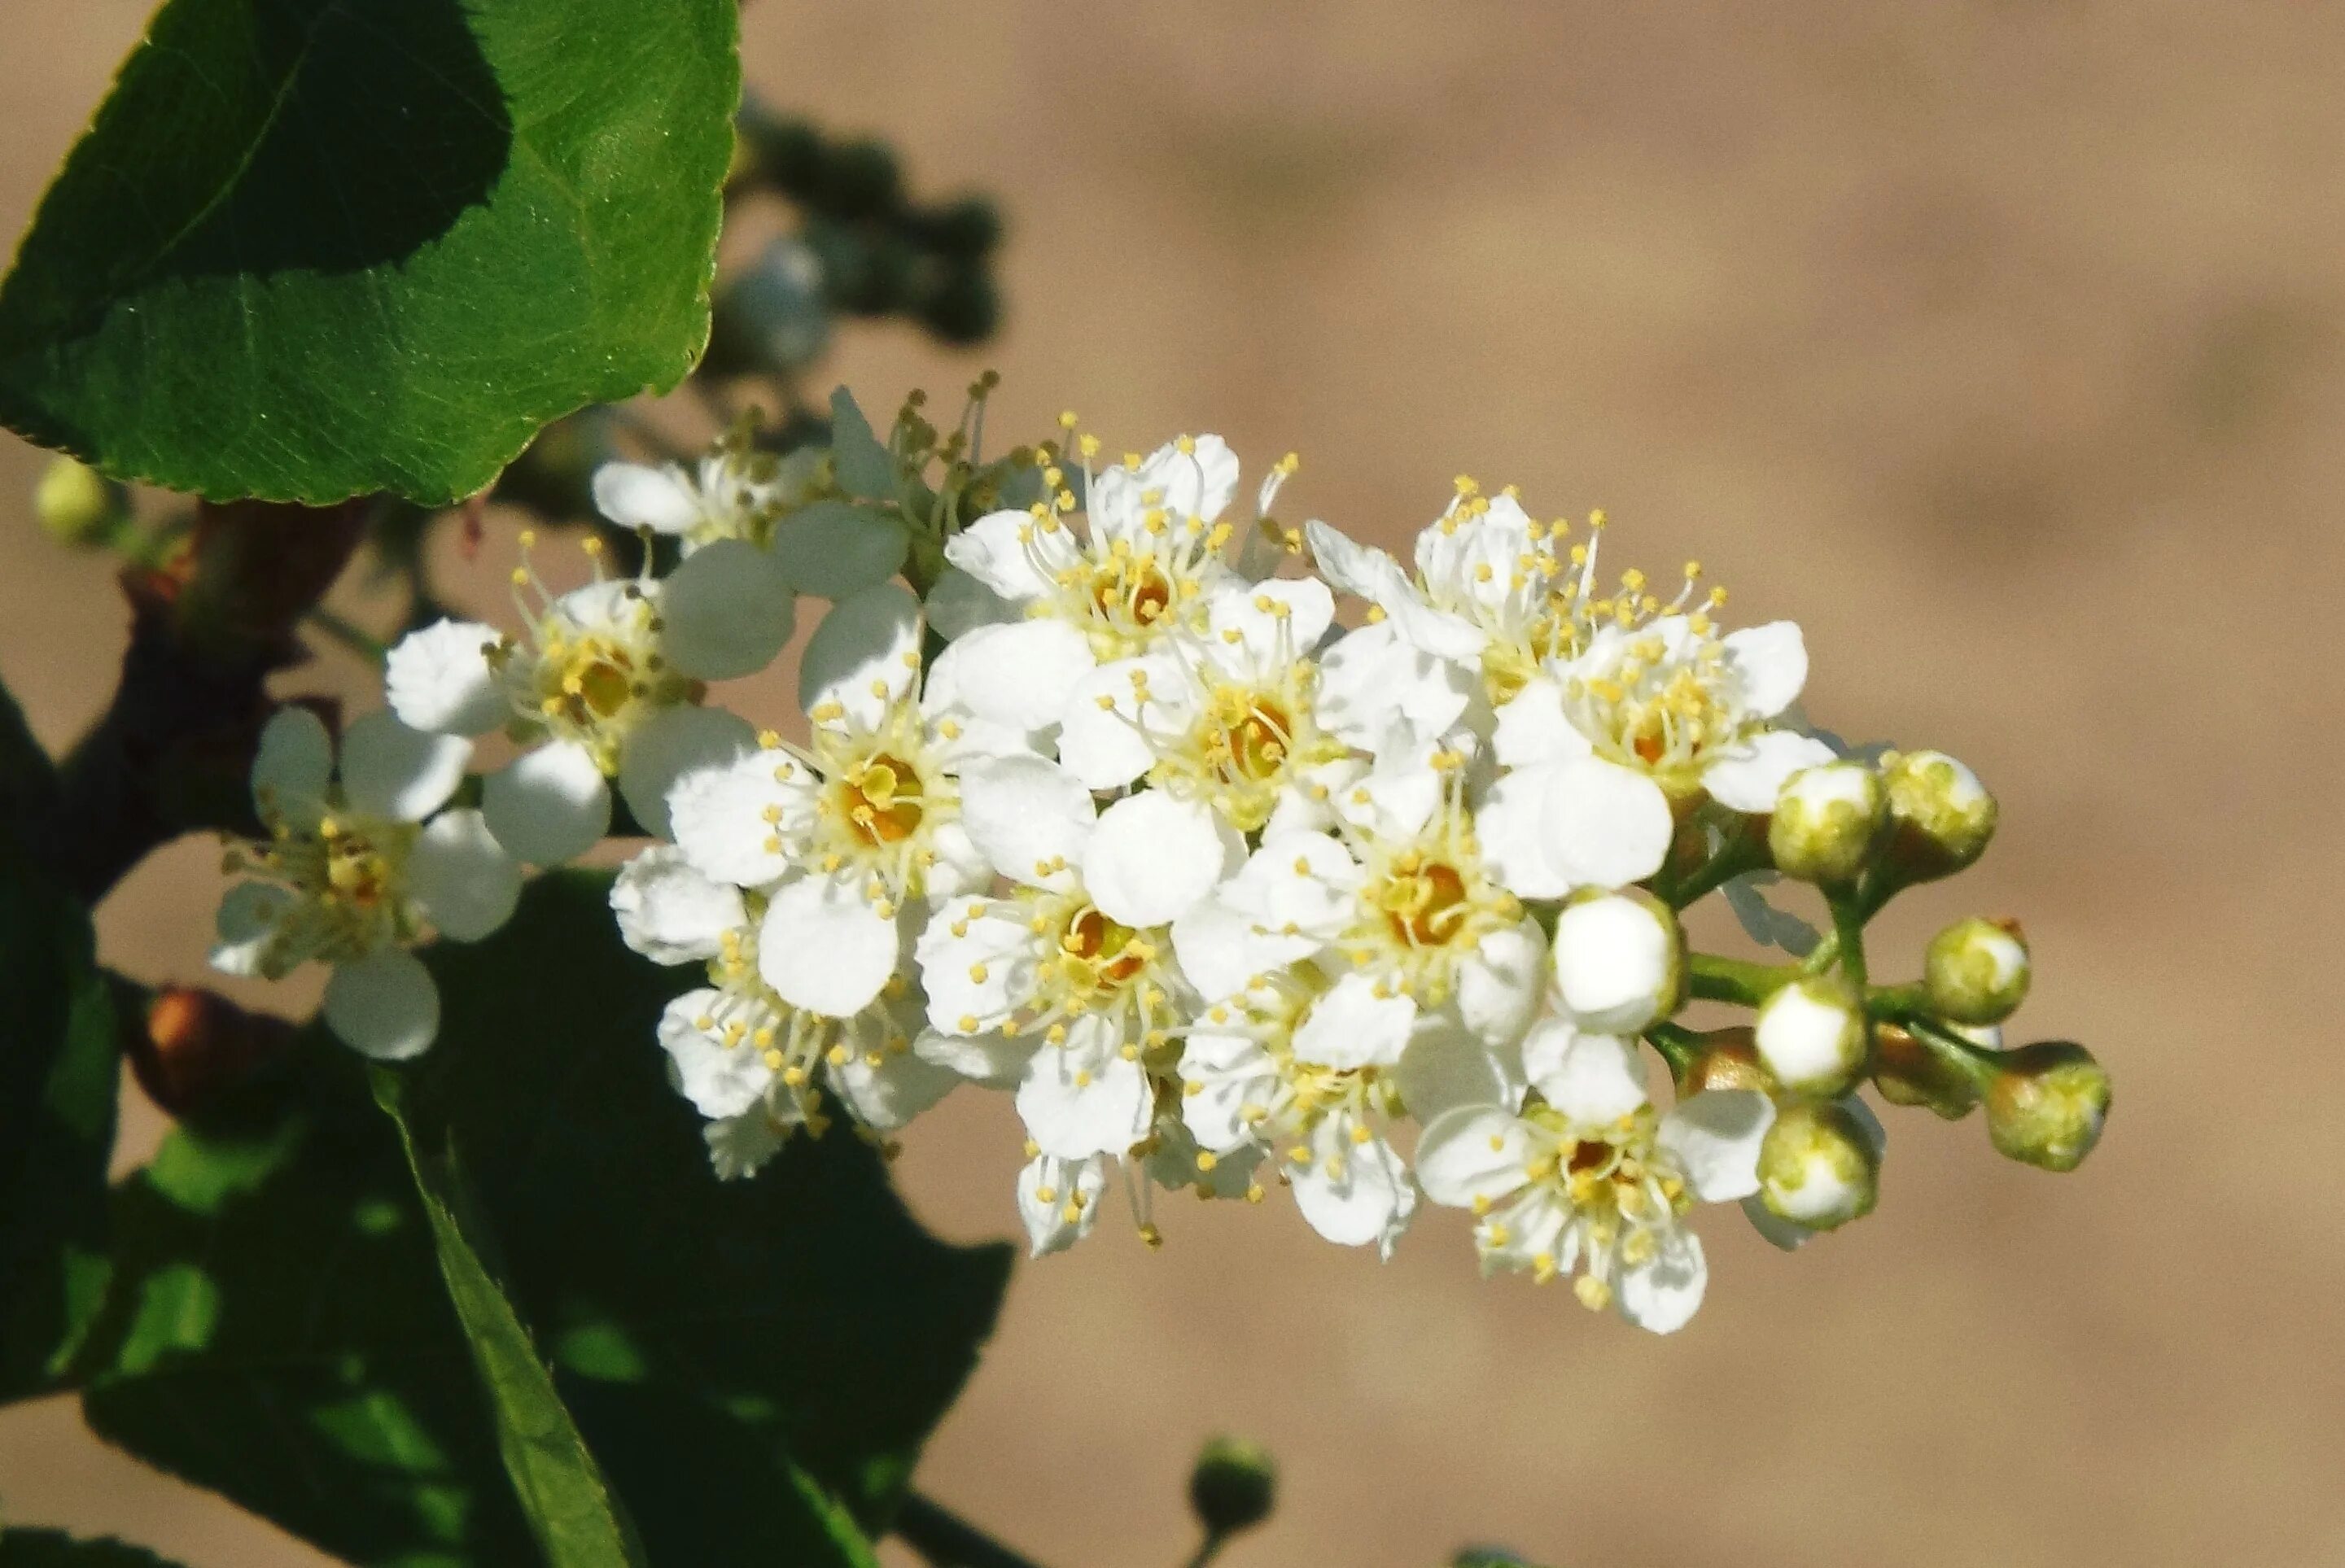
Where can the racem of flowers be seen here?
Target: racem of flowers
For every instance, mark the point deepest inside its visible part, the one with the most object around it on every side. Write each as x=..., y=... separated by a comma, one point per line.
x=1241, y=855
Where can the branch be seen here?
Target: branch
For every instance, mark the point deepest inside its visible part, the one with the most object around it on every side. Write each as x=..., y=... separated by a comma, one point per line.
x=948, y=1540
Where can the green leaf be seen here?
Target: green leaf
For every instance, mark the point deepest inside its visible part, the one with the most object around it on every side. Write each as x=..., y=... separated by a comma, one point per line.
x=710, y=1337
x=55, y=1549
x=58, y=1085
x=560, y=1486
x=315, y=248
x=277, y=1331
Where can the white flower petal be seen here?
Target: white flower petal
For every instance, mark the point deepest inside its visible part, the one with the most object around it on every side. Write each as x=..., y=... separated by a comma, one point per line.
x=994, y=1059
x=1373, y=685
x=1026, y=815
x=248, y=919
x=825, y=946
x=1351, y=1027
x=996, y=550
x=1152, y=857
x=1101, y=740
x=718, y=816
x=719, y=1079
x=977, y=963
x=292, y=768
x=1716, y=1136
x=390, y=770
x=671, y=913
x=1591, y=1078
x=1352, y=1193
x=1752, y=775
x=834, y=550
x=740, y=1146
x=1220, y=949
x=548, y=806
x=1510, y=824
x=1018, y=675
x=1498, y=984
x=1772, y=1227
x=439, y=679
x=1532, y=727
x=1085, y=1097
x=1299, y=885
x=1662, y=1293
x=465, y=882
x=384, y=1006
x=887, y=1088
x=1474, y=1151
x=1771, y=662
x=726, y=612
x=864, y=655
x=1447, y=1065
x=1060, y=1200
x=634, y=496
x=670, y=743
x=1606, y=825
x=1229, y=1072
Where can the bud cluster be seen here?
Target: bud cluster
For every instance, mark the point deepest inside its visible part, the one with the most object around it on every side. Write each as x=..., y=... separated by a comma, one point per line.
x=1094, y=799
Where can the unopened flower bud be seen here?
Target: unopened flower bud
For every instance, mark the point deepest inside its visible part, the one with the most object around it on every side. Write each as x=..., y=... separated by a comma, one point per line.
x=1234, y=1486
x=1820, y=1167
x=1810, y=1034
x=2047, y=1105
x=1619, y=961
x=1908, y=1072
x=1726, y=1059
x=1826, y=822
x=1976, y=971
x=76, y=503
x=1940, y=815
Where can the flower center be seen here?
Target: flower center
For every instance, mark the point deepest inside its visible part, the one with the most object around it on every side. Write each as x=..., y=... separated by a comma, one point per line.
x=1424, y=901
x=1095, y=953
x=883, y=800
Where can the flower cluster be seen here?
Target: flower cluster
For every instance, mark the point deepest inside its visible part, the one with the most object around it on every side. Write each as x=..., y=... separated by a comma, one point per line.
x=1110, y=811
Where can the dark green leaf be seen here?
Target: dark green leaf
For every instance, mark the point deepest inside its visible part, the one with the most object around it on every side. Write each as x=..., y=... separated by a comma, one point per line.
x=556, y=1479
x=58, y=1081
x=56, y=1549
x=313, y=248
x=709, y=1335
x=277, y=1331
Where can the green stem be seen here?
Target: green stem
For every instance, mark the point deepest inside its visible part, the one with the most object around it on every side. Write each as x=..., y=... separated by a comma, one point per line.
x=350, y=635
x=1715, y=979
x=1208, y=1549
x=1848, y=937
x=1895, y=1002
x=1741, y=853
x=1677, y=1046
x=1972, y=1061
x=947, y=1541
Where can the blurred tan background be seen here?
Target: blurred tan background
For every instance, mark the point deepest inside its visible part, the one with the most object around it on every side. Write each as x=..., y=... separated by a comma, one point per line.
x=2001, y=345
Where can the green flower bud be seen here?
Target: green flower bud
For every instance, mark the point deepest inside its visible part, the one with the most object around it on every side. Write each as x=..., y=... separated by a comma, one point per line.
x=1812, y=1035
x=1976, y=971
x=1908, y=1072
x=1234, y=1486
x=1826, y=822
x=2047, y=1105
x=1820, y=1166
x=1940, y=815
x=77, y=505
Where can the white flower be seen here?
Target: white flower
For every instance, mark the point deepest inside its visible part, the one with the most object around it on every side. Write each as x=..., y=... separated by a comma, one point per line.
x=1399, y=904
x=1652, y=711
x=1060, y=1198
x=1073, y=973
x=589, y=686
x=735, y=492
x=356, y=867
x=1153, y=546
x=1480, y=616
x=1246, y=1092
x=844, y=837
x=1593, y=1183
x=1225, y=717
x=1620, y=962
x=746, y=1059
